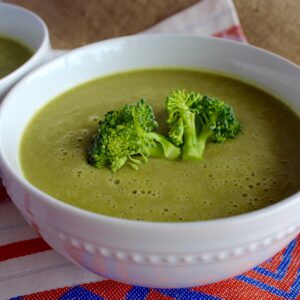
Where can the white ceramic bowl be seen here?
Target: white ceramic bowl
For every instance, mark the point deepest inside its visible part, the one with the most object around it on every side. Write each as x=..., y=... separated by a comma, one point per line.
x=149, y=254
x=26, y=27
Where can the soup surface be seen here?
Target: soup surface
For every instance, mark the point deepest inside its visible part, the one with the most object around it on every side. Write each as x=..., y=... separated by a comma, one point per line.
x=12, y=55
x=259, y=167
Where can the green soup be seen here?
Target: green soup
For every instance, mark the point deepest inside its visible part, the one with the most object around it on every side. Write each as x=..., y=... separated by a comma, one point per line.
x=12, y=55
x=261, y=166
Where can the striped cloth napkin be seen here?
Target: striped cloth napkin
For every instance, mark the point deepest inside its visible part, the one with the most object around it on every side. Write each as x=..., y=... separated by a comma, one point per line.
x=30, y=269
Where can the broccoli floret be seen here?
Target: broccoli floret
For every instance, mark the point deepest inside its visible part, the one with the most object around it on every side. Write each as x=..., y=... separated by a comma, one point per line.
x=194, y=120
x=127, y=136
x=182, y=110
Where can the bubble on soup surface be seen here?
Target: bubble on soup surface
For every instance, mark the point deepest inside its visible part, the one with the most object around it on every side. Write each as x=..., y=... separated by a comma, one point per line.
x=84, y=131
x=93, y=118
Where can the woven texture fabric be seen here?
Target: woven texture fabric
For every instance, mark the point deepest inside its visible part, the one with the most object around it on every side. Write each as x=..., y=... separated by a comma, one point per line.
x=30, y=269
x=269, y=24
x=272, y=25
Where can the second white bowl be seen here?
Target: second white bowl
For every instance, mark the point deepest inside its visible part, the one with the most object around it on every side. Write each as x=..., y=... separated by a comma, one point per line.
x=28, y=28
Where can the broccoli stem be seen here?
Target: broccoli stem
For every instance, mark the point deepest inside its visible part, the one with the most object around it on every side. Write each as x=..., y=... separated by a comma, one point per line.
x=164, y=148
x=194, y=143
x=201, y=141
x=190, y=149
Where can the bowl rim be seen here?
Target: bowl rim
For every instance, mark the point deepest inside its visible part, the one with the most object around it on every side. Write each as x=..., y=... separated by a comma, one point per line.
x=36, y=53
x=97, y=217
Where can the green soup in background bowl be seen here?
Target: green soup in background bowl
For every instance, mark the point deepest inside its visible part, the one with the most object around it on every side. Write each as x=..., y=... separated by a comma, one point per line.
x=13, y=54
x=147, y=253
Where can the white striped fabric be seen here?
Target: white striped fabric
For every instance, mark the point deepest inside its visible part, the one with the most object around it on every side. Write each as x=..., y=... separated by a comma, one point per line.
x=204, y=18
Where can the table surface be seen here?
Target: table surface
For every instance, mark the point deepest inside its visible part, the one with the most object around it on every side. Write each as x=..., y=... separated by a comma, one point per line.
x=270, y=24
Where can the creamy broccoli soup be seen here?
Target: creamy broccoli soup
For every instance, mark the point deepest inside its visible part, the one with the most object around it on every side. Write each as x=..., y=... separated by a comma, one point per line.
x=261, y=166
x=12, y=55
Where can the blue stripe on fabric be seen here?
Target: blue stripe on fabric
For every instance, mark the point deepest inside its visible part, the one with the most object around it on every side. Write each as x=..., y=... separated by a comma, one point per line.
x=284, y=265
x=293, y=294
x=138, y=293
x=80, y=293
x=16, y=298
x=283, y=268
x=186, y=294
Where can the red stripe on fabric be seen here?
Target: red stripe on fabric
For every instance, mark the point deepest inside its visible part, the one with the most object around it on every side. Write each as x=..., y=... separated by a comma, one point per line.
x=108, y=289
x=23, y=248
x=155, y=295
x=234, y=32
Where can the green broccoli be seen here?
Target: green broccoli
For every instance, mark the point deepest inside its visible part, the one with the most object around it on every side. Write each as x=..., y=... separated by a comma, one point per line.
x=193, y=120
x=127, y=136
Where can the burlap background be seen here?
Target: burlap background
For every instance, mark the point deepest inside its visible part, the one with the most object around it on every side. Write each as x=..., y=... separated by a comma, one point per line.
x=270, y=24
